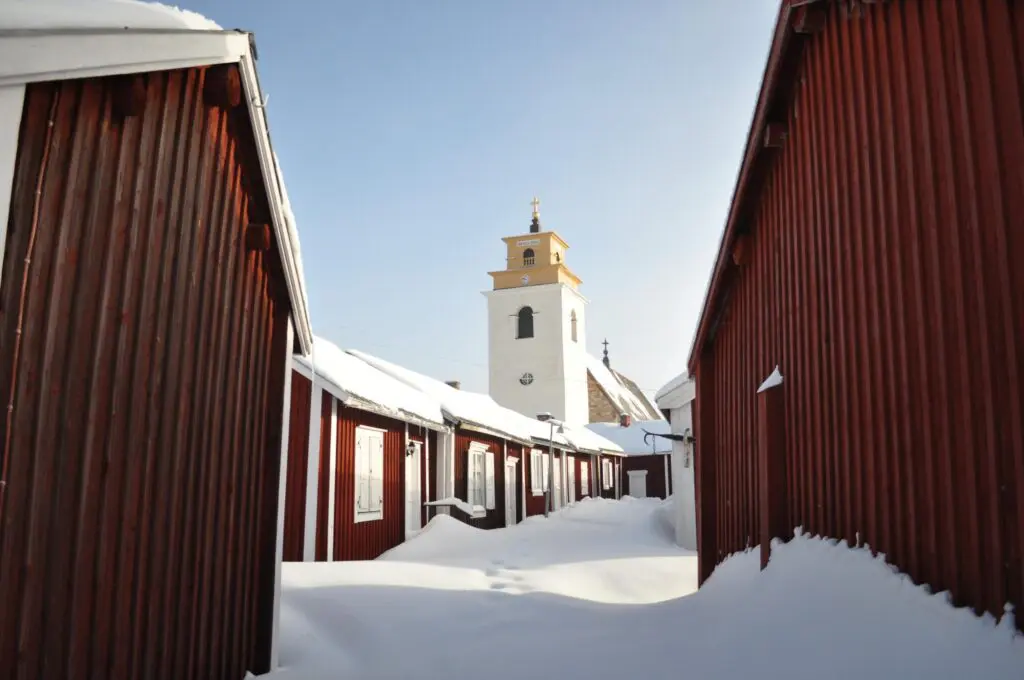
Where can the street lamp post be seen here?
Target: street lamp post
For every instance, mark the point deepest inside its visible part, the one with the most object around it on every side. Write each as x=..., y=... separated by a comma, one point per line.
x=548, y=492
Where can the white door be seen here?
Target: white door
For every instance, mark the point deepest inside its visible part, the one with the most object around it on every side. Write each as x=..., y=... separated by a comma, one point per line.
x=638, y=483
x=570, y=478
x=511, y=507
x=557, y=486
x=413, y=500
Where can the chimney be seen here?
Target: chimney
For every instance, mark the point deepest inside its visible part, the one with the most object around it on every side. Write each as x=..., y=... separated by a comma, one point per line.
x=625, y=420
x=454, y=383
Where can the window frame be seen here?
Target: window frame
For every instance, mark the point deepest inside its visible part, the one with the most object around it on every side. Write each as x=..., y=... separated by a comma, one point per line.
x=364, y=434
x=480, y=459
x=525, y=313
x=529, y=258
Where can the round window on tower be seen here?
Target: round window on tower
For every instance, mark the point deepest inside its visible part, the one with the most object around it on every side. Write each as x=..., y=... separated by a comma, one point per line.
x=526, y=378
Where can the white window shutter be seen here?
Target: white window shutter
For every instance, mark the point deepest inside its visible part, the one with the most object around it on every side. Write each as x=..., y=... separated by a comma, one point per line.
x=470, y=477
x=362, y=486
x=376, y=475
x=489, y=476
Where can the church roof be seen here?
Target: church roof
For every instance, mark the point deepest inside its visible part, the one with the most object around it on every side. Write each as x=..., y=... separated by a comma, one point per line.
x=624, y=394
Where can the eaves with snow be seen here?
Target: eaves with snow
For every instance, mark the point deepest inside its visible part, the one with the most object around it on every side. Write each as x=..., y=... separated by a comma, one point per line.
x=359, y=385
x=480, y=412
x=54, y=40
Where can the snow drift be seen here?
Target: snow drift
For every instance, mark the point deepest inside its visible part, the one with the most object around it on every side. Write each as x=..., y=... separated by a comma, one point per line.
x=599, y=591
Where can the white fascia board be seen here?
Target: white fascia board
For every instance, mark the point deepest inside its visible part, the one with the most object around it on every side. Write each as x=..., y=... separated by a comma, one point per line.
x=12, y=101
x=288, y=246
x=42, y=55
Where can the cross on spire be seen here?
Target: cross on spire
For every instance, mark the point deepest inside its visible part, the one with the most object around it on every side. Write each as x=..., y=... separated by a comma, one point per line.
x=606, y=360
x=535, y=222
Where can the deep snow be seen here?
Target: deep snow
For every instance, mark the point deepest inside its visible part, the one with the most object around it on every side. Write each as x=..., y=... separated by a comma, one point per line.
x=600, y=591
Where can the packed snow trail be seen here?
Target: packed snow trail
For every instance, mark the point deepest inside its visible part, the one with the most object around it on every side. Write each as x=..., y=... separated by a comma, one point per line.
x=600, y=591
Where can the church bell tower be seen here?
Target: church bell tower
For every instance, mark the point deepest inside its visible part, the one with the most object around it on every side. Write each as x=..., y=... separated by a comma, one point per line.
x=537, y=328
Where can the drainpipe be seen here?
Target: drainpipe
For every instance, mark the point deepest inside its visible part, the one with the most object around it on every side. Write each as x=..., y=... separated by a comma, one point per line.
x=426, y=468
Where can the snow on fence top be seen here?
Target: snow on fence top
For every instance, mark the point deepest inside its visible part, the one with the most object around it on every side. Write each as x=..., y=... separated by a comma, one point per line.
x=360, y=385
x=70, y=14
x=631, y=438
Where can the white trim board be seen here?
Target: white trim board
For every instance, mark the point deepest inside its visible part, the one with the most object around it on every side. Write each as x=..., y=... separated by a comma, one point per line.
x=12, y=101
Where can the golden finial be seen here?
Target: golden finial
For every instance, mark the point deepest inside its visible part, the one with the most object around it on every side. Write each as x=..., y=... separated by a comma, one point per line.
x=536, y=207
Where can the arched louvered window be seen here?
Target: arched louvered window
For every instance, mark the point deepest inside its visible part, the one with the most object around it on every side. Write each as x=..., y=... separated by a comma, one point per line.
x=529, y=258
x=524, y=323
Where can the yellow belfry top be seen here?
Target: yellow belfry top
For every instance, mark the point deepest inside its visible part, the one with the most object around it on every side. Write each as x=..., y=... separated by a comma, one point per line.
x=535, y=258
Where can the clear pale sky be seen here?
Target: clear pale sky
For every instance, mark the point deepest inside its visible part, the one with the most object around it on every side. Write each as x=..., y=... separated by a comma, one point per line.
x=413, y=134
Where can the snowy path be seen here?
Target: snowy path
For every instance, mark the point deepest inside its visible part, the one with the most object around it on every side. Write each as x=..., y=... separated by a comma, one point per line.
x=599, y=591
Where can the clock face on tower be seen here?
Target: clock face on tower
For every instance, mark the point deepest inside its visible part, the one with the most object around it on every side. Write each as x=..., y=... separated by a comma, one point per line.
x=526, y=378
x=525, y=279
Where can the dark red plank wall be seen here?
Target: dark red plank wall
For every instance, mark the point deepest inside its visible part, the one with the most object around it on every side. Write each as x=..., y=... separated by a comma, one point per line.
x=140, y=460
x=298, y=465
x=883, y=278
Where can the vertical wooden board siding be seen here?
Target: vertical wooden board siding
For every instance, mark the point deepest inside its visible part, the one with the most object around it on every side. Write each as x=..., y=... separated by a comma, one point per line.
x=298, y=466
x=152, y=339
x=323, y=490
x=367, y=540
x=495, y=518
x=881, y=282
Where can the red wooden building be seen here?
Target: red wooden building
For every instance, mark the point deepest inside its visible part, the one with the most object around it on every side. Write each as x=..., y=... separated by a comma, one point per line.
x=151, y=297
x=872, y=253
x=485, y=469
x=359, y=458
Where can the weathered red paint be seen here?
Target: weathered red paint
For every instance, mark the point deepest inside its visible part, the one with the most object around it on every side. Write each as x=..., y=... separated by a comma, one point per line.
x=367, y=540
x=298, y=464
x=880, y=279
x=138, y=531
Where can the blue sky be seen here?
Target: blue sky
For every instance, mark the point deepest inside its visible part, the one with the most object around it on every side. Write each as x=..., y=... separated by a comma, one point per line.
x=413, y=135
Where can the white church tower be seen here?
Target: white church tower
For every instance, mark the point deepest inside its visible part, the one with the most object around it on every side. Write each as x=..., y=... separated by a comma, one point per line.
x=537, y=329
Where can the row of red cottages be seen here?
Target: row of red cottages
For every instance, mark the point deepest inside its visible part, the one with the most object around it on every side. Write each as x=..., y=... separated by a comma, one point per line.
x=424, y=465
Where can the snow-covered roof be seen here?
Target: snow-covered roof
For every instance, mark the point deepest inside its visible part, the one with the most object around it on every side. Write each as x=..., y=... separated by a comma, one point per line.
x=53, y=40
x=71, y=14
x=631, y=438
x=586, y=440
x=470, y=408
x=677, y=392
x=358, y=384
x=635, y=404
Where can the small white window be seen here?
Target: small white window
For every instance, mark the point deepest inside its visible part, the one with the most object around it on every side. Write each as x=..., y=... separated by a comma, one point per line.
x=536, y=472
x=607, y=474
x=585, y=478
x=480, y=476
x=369, y=474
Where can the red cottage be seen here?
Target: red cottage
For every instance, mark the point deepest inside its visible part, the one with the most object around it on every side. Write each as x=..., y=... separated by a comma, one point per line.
x=359, y=458
x=150, y=300
x=871, y=255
